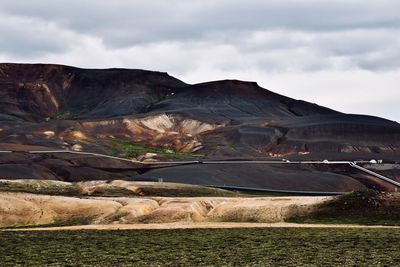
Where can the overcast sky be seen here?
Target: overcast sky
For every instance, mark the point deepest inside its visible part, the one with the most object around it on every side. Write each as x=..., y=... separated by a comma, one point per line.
x=344, y=54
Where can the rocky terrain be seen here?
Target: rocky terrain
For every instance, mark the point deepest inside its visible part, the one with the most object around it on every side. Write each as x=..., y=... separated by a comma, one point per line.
x=56, y=203
x=151, y=116
x=22, y=209
x=149, y=205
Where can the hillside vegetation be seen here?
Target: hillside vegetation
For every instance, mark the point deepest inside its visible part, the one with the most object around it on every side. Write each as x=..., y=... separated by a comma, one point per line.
x=114, y=188
x=362, y=207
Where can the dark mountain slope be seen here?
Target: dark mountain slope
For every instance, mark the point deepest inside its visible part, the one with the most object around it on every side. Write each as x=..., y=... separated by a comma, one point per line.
x=36, y=92
x=130, y=112
x=236, y=101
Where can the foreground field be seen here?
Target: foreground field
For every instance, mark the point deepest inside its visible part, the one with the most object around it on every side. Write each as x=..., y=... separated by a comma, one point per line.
x=194, y=247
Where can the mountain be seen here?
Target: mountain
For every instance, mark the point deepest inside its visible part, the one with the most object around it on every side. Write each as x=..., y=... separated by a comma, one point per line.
x=127, y=113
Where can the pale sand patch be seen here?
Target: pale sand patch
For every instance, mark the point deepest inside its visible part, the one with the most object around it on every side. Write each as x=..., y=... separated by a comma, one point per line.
x=202, y=225
x=26, y=209
x=267, y=210
x=23, y=209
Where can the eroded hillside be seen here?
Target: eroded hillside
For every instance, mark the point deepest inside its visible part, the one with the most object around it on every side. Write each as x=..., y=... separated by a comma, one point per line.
x=145, y=115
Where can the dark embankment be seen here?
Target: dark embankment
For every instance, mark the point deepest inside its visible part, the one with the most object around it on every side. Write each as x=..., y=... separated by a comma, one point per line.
x=362, y=207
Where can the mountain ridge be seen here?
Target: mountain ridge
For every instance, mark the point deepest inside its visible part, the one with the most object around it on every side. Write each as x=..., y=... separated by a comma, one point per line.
x=114, y=111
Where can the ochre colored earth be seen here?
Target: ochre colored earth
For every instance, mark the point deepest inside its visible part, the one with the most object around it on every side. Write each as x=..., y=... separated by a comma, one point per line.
x=22, y=209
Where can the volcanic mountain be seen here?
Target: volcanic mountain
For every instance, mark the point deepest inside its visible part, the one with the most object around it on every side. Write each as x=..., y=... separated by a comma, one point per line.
x=153, y=116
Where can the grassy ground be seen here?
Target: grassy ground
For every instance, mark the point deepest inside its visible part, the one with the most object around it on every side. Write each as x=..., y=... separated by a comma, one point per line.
x=46, y=187
x=185, y=191
x=203, y=247
x=39, y=187
x=130, y=150
x=347, y=219
x=365, y=207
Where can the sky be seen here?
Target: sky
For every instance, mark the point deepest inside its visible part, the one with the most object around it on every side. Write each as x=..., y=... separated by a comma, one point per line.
x=343, y=54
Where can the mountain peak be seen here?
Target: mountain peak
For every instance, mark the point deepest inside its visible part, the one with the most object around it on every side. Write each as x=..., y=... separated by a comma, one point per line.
x=55, y=107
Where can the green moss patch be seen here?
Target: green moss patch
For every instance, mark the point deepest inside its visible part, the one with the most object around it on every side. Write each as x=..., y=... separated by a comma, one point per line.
x=131, y=150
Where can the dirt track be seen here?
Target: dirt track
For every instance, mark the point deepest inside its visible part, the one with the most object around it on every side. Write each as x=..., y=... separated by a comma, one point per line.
x=202, y=225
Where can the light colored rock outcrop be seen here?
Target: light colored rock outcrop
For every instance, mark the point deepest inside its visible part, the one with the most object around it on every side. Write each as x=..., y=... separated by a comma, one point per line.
x=133, y=209
x=18, y=209
x=181, y=209
x=29, y=209
x=274, y=209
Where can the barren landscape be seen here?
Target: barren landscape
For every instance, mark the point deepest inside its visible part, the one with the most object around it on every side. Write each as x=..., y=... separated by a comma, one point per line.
x=151, y=116
x=199, y=133
x=144, y=142
x=224, y=163
x=110, y=205
x=23, y=209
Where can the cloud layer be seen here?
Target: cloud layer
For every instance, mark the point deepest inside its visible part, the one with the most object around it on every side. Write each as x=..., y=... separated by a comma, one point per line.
x=342, y=54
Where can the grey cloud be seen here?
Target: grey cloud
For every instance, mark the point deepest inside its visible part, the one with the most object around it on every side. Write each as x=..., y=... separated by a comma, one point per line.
x=371, y=49
x=276, y=35
x=31, y=37
x=126, y=23
x=380, y=61
x=358, y=41
x=273, y=36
